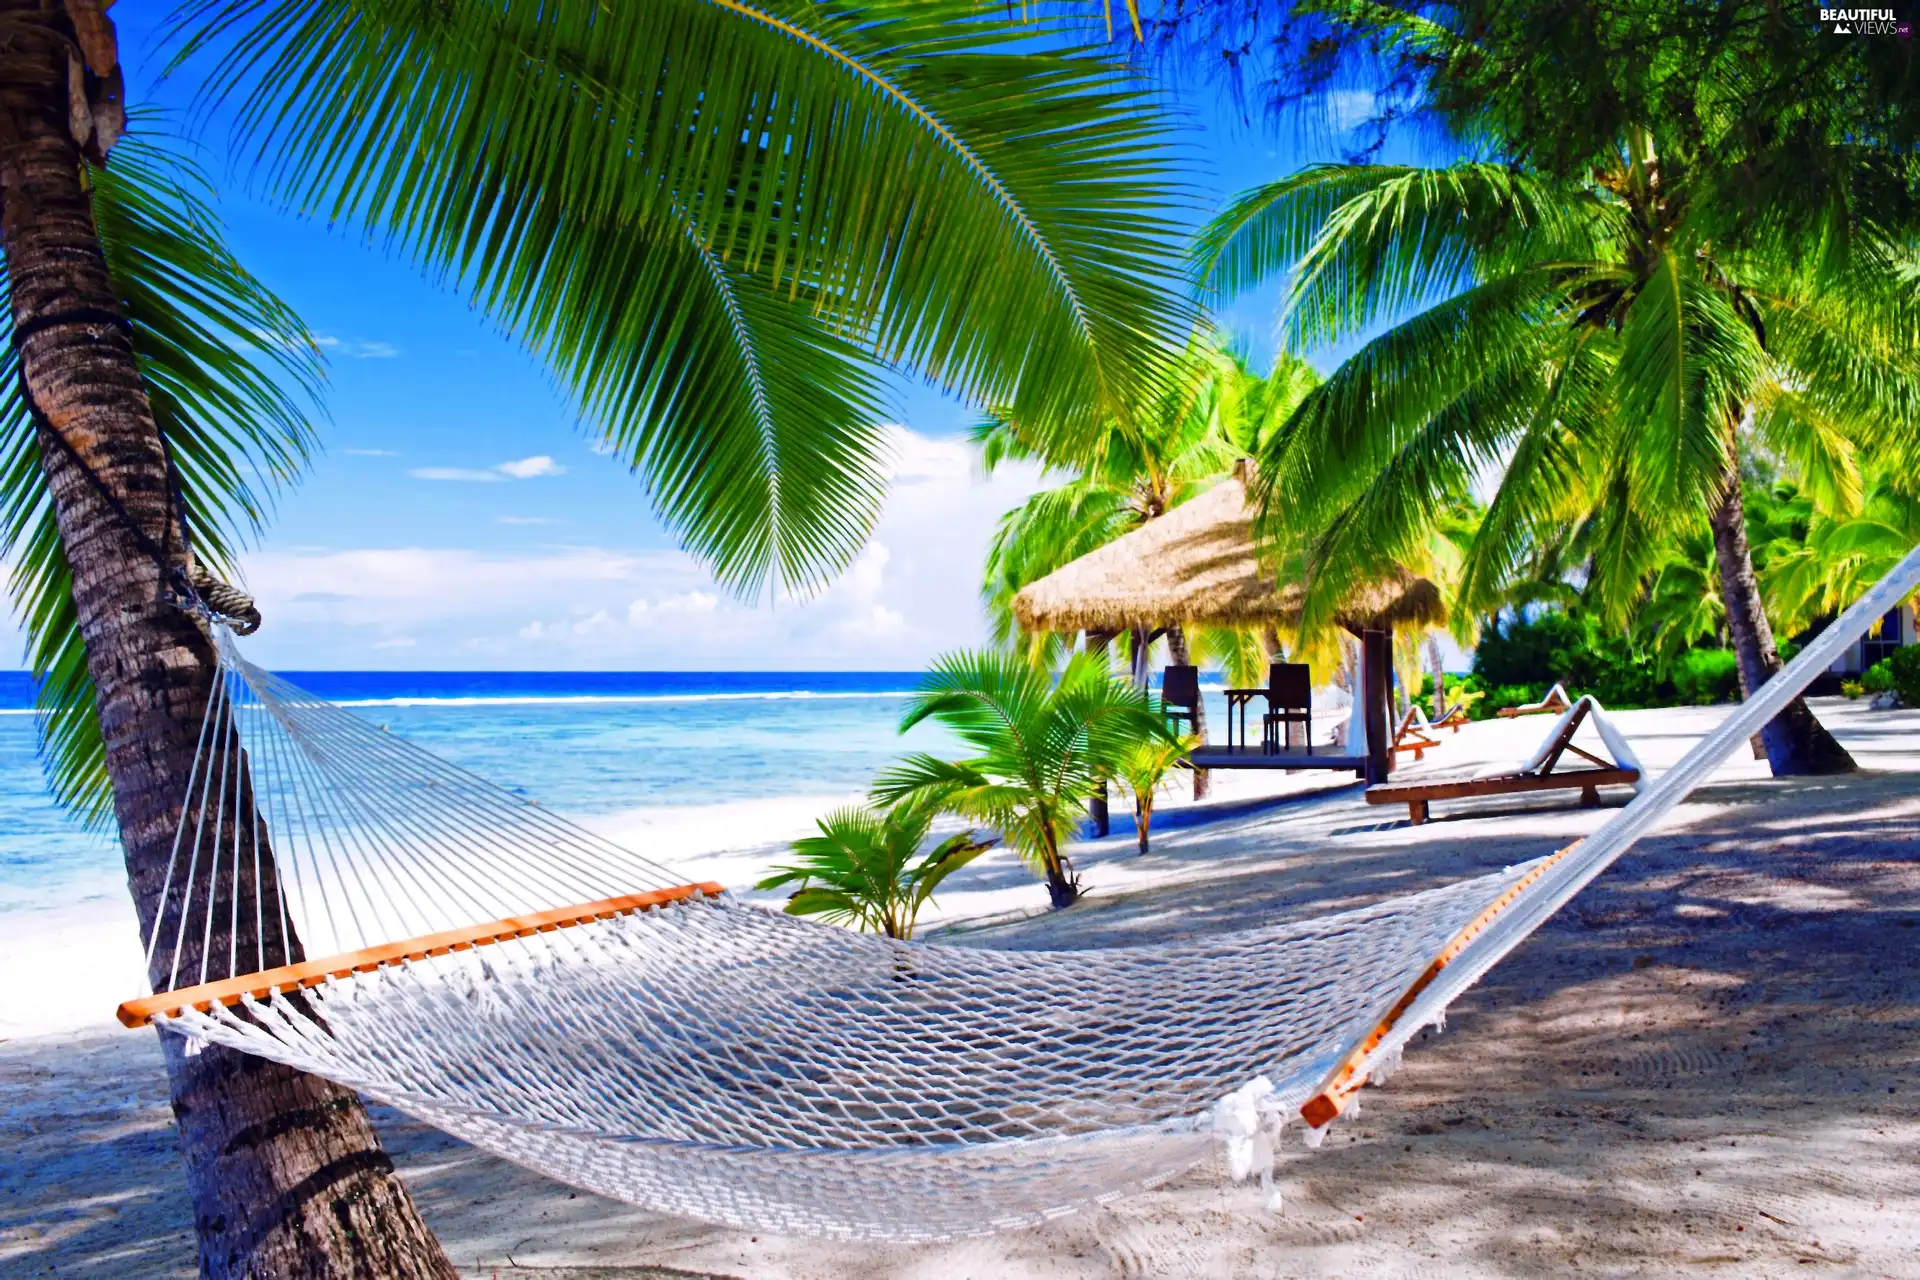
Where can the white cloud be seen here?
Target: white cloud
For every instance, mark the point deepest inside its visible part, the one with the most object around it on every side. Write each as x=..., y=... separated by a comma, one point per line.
x=515, y=469
x=355, y=348
x=463, y=474
x=910, y=594
x=1349, y=107
x=528, y=468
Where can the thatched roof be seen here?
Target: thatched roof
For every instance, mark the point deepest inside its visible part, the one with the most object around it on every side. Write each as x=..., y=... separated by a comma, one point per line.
x=1197, y=565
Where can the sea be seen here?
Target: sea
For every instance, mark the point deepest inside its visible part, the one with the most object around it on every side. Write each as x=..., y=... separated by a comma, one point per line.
x=711, y=774
x=688, y=762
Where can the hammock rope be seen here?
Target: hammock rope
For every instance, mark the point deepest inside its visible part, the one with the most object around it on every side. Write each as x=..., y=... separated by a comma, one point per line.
x=615, y=1028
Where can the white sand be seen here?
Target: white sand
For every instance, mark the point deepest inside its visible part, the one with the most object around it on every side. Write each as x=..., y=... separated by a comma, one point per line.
x=1704, y=1065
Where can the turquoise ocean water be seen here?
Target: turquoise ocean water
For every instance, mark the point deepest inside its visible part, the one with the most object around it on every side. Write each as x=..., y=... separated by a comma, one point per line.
x=583, y=743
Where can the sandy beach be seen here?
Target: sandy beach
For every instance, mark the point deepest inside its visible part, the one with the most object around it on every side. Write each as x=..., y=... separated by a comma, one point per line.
x=1704, y=1066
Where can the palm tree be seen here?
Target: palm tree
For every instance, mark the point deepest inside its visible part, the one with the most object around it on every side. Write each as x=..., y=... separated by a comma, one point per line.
x=1125, y=472
x=1145, y=770
x=1044, y=747
x=1683, y=607
x=145, y=402
x=1618, y=342
x=862, y=869
x=1128, y=471
x=1842, y=554
x=714, y=221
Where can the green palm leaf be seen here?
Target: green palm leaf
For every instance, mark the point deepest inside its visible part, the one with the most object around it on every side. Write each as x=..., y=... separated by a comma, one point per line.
x=1042, y=746
x=920, y=183
x=231, y=373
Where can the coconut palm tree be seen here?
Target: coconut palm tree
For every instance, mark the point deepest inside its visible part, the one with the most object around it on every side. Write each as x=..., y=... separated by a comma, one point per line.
x=865, y=867
x=1043, y=745
x=201, y=358
x=715, y=222
x=1618, y=343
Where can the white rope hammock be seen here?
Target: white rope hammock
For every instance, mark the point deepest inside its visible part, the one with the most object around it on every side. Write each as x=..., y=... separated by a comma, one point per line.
x=665, y=1045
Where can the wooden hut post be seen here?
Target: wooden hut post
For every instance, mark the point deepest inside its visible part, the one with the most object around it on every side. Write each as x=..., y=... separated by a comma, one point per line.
x=1098, y=815
x=1376, y=671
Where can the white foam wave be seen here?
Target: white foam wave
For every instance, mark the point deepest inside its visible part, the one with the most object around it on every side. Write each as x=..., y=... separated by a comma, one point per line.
x=587, y=699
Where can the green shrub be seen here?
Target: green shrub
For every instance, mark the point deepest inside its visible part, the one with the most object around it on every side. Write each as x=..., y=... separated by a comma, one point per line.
x=1510, y=695
x=1456, y=685
x=1570, y=649
x=1851, y=688
x=1536, y=650
x=1904, y=668
x=1878, y=677
x=1703, y=677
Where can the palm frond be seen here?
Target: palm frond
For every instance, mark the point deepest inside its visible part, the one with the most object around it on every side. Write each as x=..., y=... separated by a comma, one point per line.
x=925, y=184
x=1350, y=427
x=1688, y=364
x=232, y=375
x=1425, y=233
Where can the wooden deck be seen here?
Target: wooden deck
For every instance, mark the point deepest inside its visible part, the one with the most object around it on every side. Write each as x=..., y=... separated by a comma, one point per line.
x=1253, y=758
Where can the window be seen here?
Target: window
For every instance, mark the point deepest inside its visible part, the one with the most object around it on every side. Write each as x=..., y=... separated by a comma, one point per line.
x=1882, y=640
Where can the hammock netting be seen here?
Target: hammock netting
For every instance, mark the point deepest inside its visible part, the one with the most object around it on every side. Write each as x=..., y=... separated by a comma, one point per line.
x=714, y=1059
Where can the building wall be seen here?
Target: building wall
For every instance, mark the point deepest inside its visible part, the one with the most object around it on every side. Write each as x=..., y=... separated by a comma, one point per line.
x=1896, y=629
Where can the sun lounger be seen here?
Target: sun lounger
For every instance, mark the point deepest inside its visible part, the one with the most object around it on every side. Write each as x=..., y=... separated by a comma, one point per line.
x=1454, y=716
x=1541, y=773
x=1556, y=700
x=1413, y=733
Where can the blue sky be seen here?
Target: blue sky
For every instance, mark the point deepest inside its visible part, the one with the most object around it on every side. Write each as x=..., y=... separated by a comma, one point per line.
x=459, y=519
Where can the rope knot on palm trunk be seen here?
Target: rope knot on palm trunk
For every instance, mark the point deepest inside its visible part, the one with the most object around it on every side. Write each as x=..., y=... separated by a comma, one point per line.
x=225, y=601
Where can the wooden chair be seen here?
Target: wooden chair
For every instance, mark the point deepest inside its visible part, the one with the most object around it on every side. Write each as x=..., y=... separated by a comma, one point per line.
x=1411, y=733
x=1555, y=701
x=1452, y=718
x=1289, y=701
x=1536, y=775
x=1180, y=696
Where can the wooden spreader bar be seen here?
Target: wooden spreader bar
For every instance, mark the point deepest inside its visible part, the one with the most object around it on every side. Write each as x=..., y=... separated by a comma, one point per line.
x=311, y=973
x=1340, y=1084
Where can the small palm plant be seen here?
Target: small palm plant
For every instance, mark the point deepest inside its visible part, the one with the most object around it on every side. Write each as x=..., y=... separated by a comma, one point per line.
x=865, y=868
x=1045, y=745
x=1145, y=771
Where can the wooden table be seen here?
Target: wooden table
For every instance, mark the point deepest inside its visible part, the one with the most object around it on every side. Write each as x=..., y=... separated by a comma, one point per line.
x=1237, y=700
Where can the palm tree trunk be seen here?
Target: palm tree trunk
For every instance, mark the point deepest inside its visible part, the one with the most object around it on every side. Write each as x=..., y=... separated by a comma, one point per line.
x=1178, y=652
x=1063, y=890
x=286, y=1175
x=1796, y=742
x=1099, y=816
x=1142, y=820
x=1439, y=676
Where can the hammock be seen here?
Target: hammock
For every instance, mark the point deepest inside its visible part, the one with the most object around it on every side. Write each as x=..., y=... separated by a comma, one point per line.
x=663, y=1044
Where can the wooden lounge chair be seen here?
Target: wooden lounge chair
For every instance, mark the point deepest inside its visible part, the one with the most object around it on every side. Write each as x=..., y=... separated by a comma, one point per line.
x=1555, y=701
x=1413, y=733
x=1452, y=718
x=1537, y=774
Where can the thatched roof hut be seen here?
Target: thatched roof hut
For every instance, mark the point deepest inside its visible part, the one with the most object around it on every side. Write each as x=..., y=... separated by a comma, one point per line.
x=1197, y=564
